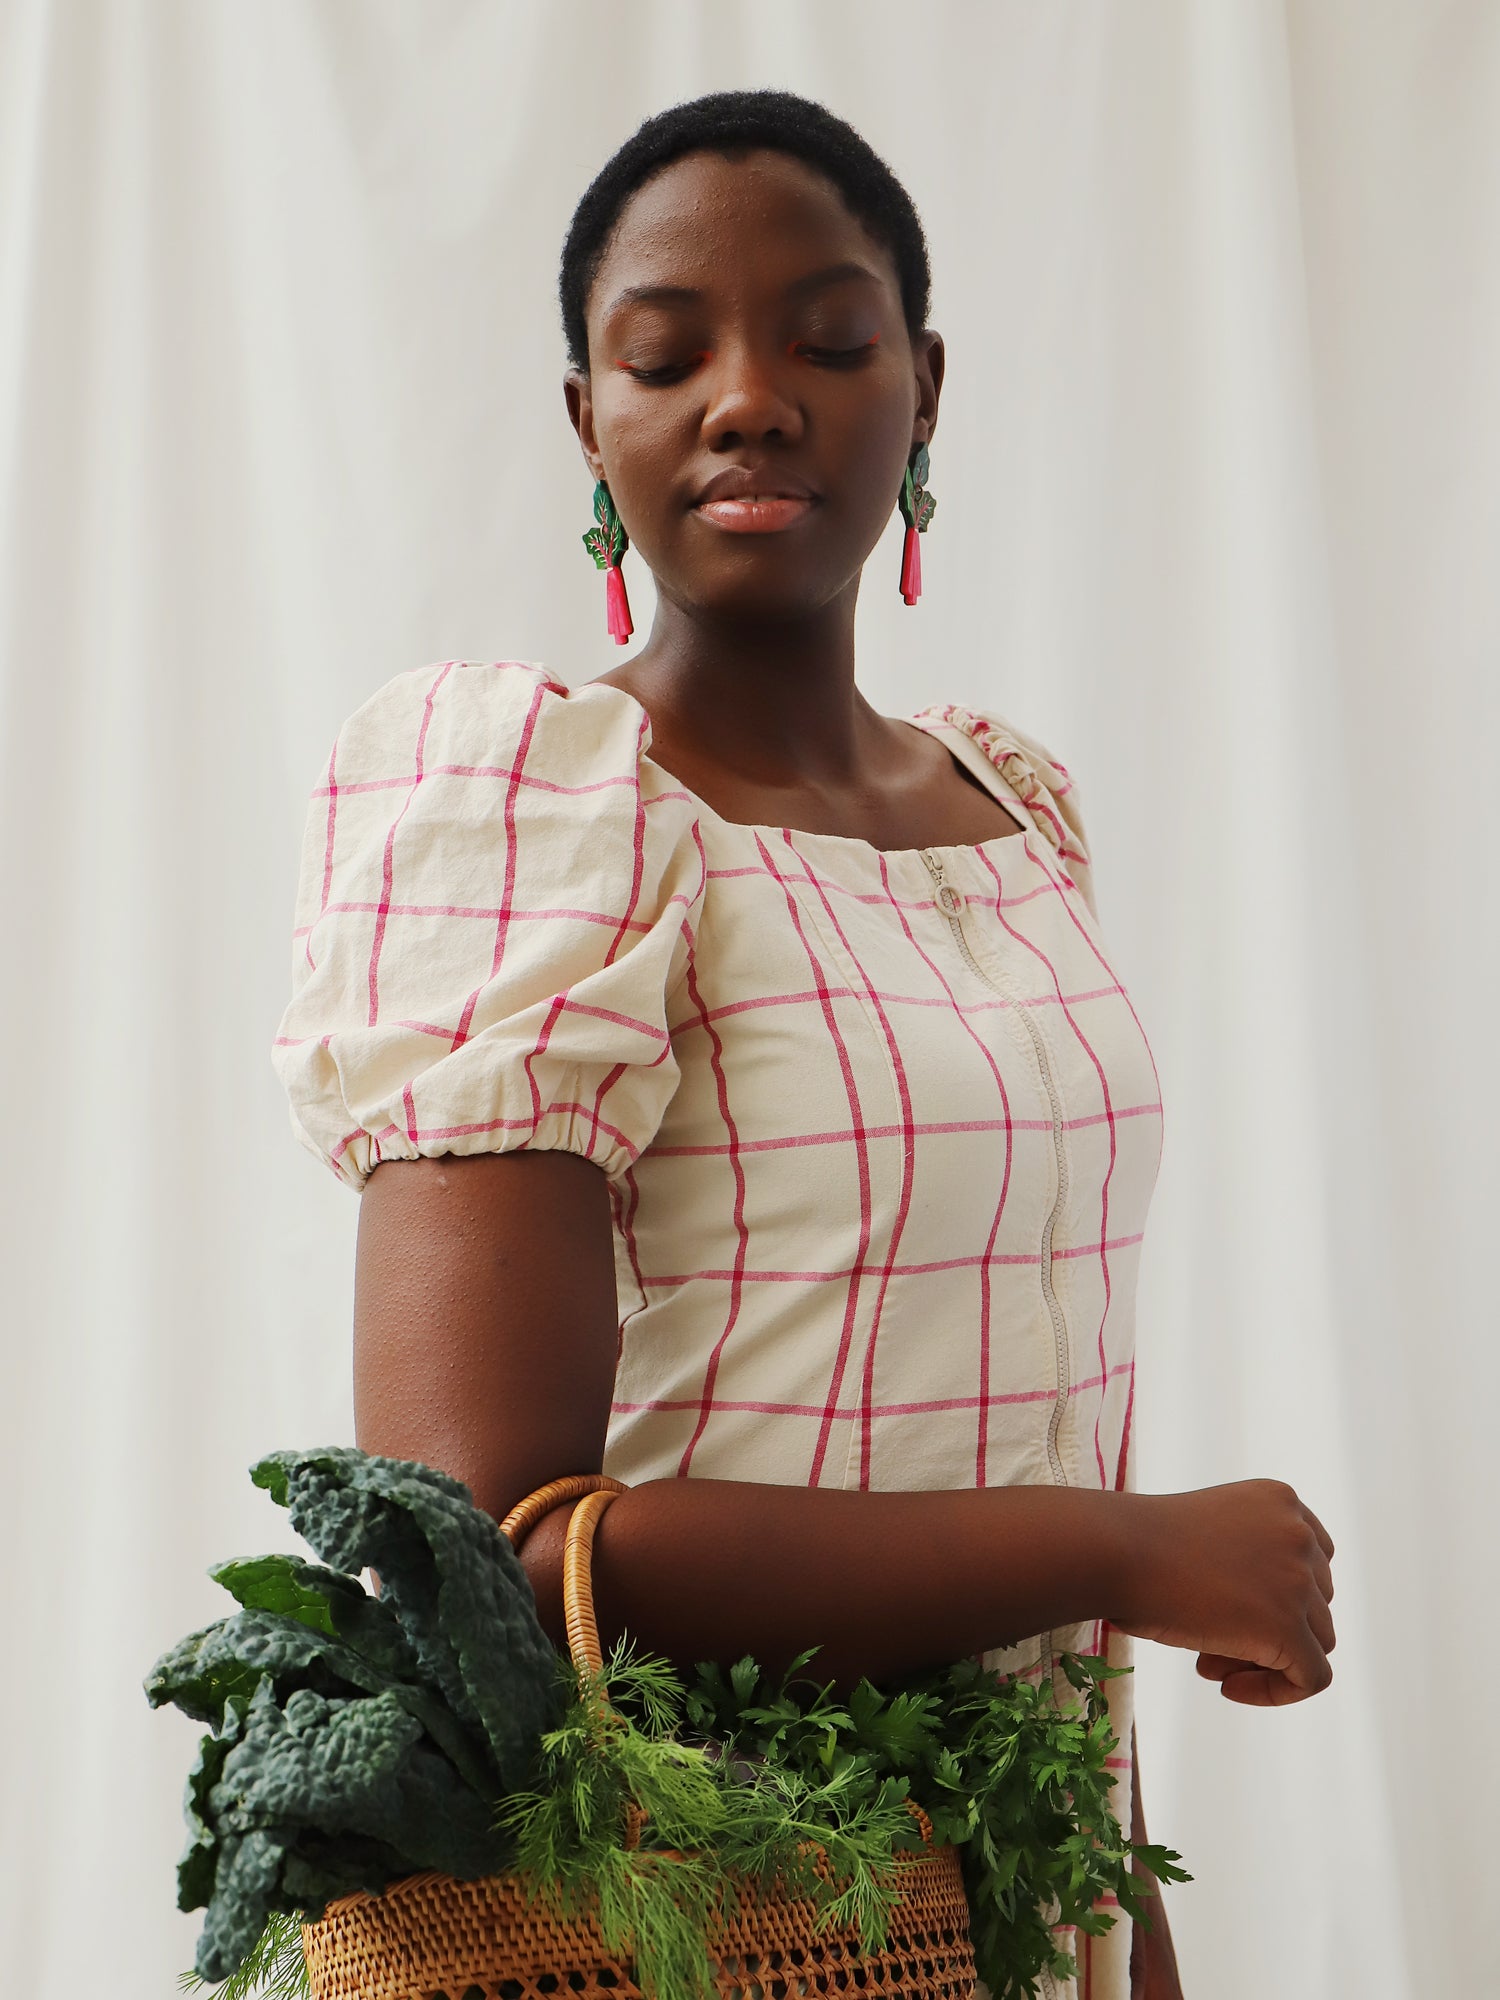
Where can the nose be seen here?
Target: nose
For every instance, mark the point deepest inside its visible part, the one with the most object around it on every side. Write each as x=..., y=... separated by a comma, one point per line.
x=749, y=399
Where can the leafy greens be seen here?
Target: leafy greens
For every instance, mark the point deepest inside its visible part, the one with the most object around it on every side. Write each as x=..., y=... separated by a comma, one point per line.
x=356, y=1740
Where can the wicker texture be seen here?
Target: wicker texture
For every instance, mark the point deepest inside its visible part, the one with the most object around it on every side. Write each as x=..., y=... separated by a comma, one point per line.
x=433, y=1937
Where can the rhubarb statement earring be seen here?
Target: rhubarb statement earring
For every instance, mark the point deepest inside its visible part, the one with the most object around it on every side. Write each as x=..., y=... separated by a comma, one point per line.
x=606, y=543
x=917, y=509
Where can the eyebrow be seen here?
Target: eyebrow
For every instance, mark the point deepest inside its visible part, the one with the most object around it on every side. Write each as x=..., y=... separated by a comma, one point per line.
x=675, y=295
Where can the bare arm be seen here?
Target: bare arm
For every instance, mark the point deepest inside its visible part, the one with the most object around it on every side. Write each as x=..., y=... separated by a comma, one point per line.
x=485, y=1343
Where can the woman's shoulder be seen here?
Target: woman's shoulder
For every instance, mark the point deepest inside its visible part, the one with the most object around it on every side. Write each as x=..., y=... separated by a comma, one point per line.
x=490, y=785
x=464, y=713
x=1036, y=773
x=481, y=738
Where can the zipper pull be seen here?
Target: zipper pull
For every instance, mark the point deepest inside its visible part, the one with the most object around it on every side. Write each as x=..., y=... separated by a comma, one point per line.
x=948, y=899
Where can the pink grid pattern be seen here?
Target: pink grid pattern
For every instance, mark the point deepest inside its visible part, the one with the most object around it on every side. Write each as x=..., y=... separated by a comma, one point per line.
x=831, y=1147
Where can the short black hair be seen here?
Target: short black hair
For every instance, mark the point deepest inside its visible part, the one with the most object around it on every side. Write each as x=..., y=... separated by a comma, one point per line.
x=732, y=122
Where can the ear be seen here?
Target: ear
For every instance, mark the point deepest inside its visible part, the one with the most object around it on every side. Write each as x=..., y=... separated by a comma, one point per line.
x=927, y=361
x=578, y=394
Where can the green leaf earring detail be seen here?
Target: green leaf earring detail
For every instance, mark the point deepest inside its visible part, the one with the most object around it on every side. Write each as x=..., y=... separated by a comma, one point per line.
x=606, y=543
x=917, y=509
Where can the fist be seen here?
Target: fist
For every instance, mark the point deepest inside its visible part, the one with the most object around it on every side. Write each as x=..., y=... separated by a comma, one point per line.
x=1240, y=1574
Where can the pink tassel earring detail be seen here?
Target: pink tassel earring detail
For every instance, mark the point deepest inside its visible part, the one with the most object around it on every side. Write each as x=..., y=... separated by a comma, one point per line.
x=606, y=542
x=917, y=509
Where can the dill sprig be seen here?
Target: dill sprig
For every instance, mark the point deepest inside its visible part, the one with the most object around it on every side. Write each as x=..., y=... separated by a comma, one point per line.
x=275, y=1969
x=712, y=1822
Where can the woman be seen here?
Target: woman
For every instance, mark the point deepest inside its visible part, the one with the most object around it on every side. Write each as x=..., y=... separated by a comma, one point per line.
x=741, y=1094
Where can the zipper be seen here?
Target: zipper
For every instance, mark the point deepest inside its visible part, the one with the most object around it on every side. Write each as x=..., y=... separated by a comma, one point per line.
x=950, y=901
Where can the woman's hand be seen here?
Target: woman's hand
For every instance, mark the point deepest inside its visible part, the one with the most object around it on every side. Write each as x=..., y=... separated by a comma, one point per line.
x=1241, y=1575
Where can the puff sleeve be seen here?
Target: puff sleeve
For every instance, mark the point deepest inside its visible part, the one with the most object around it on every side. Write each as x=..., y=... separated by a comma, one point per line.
x=494, y=911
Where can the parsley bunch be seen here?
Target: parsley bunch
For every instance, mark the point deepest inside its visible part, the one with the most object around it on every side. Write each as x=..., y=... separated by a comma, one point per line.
x=1014, y=1777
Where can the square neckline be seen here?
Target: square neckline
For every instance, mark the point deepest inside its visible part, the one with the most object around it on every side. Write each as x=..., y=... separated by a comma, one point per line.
x=982, y=769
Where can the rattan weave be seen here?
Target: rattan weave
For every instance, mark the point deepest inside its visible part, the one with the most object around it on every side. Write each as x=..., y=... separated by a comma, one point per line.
x=433, y=1937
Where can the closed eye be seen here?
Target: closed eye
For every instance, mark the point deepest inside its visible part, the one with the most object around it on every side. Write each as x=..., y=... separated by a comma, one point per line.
x=670, y=371
x=835, y=356
x=827, y=357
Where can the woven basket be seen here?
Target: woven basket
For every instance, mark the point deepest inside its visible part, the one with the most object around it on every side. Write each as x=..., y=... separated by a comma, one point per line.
x=433, y=1937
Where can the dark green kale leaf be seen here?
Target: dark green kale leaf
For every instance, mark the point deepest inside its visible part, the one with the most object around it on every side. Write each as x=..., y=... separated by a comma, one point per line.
x=245, y=1893
x=357, y=1739
x=200, y=1858
x=450, y=1577
x=208, y=1670
x=359, y=1767
x=321, y=1797
x=285, y=1584
x=202, y=1675
x=323, y=1867
x=327, y=1600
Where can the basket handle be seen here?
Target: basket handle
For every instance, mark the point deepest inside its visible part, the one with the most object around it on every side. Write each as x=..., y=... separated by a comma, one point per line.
x=524, y=1516
x=593, y=1492
x=924, y=1825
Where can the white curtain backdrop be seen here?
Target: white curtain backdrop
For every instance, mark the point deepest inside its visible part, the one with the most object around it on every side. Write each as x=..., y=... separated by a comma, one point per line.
x=1219, y=473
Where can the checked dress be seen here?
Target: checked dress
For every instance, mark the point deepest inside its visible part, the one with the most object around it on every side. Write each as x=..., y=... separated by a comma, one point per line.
x=880, y=1128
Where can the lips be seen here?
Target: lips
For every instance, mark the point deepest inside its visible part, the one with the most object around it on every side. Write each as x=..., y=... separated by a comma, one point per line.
x=747, y=500
x=749, y=482
x=754, y=517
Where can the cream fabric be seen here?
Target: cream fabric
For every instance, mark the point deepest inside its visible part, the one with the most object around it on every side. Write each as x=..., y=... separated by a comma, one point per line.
x=881, y=1127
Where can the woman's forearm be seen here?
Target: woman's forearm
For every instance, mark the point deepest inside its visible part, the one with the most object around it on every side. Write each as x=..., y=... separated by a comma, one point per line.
x=486, y=1336
x=485, y=1343
x=885, y=1583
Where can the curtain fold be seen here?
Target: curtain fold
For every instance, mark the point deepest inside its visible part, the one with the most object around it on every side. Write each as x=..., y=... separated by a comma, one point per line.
x=281, y=415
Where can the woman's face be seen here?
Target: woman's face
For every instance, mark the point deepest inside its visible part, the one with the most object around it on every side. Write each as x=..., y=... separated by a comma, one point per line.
x=747, y=338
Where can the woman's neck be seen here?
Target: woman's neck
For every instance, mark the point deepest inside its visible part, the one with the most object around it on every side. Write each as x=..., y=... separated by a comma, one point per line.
x=774, y=702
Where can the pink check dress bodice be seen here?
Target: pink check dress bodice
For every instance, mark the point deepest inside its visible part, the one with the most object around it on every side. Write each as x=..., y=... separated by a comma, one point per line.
x=880, y=1128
